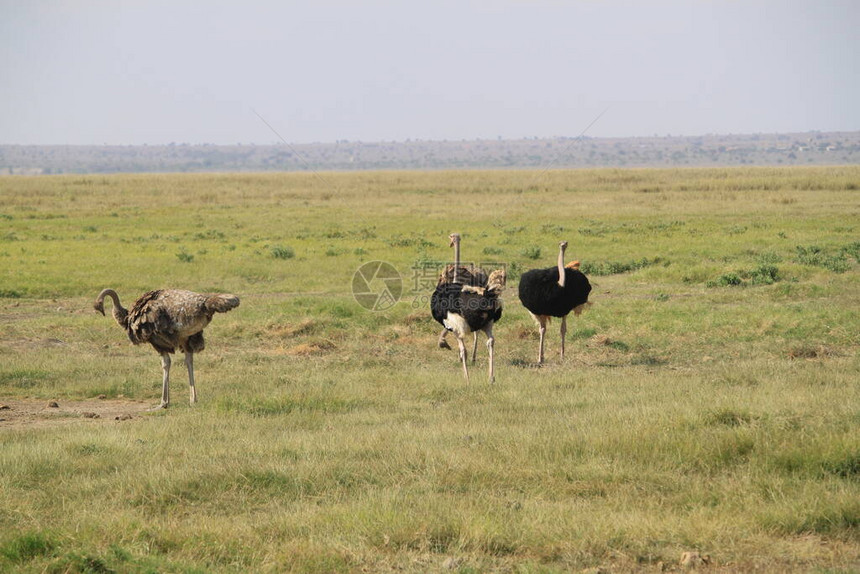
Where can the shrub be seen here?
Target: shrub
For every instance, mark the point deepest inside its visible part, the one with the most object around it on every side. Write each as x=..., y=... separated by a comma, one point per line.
x=764, y=275
x=514, y=270
x=816, y=256
x=184, y=256
x=761, y=275
x=727, y=280
x=532, y=252
x=616, y=267
x=283, y=252
x=401, y=241
x=26, y=547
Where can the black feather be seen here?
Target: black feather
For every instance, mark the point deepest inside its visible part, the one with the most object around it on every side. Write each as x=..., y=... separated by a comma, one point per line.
x=445, y=298
x=478, y=309
x=541, y=294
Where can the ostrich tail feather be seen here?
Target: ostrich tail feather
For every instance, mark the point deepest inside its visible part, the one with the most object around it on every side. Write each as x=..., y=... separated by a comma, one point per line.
x=497, y=281
x=222, y=302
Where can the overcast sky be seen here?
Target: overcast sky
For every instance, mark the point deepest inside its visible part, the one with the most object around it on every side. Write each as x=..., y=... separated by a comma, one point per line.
x=155, y=72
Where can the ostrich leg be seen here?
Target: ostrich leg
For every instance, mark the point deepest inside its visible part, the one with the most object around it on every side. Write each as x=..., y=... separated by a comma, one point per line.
x=490, y=344
x=542, y=331
x=189, y=364
x=443, y=344
x=165, y=383
x=561, y=279
x=462, y=345
x=563, y=333
x=475, y=347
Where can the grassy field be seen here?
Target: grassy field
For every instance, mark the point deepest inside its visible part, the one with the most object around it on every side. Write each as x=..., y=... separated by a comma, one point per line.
x=709, y=402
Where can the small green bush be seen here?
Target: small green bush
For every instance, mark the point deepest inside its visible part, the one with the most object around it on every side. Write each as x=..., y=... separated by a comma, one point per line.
x=761, y=275
x=617, y=267
x=727, y=280
x=764, y=275
x=26, y=547
x=514, y=270
x=283, y=252
x=532, y=252
x=184, y=256
x=818, y=257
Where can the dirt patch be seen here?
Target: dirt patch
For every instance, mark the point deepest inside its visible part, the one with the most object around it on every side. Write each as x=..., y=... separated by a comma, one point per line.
x=806, y=351
x=42, y=413
x=292, y=330
x=312, y=348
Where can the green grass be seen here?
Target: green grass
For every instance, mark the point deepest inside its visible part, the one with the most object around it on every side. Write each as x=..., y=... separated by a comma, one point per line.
x=709, y=402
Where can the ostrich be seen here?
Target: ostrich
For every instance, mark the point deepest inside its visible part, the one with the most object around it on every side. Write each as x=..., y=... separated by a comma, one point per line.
x=554, y=292
x=474, y=276
x=169, y=319
x=465, y=309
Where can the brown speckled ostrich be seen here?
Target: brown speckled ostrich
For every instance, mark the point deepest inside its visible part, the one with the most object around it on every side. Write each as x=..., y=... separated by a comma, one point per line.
x=169, y=319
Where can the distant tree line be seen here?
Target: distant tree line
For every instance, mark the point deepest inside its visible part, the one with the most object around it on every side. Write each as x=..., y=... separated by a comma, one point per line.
x=813, y=148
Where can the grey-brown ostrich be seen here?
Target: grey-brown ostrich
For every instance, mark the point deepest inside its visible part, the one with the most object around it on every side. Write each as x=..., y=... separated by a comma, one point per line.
x=456, y=273
x=554, y=292
x=169, y=319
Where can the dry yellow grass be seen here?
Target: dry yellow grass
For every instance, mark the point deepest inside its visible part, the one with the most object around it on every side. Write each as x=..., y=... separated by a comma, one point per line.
x=709, y=402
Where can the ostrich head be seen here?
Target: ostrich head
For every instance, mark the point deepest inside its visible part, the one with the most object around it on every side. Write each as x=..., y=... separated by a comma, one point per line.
x=120, y=313
x=455, y=239
x=562, y=245
x=99, y=305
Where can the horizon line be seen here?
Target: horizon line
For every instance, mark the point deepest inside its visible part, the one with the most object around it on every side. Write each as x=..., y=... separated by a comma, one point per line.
x=444, y=140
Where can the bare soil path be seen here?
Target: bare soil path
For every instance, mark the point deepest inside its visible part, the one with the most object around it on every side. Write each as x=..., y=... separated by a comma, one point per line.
x=41, y=413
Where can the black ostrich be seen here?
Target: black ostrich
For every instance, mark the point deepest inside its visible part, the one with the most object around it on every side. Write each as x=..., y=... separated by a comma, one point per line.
x=456, y=273
x=464, y=309
x=554, y=292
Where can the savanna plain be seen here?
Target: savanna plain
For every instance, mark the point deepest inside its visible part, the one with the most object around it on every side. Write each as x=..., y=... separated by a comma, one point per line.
x=708, y=402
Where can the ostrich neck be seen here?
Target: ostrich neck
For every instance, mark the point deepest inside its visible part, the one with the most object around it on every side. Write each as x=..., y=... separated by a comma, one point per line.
x=561, y=274
x=456, y=261
x=119, y=312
